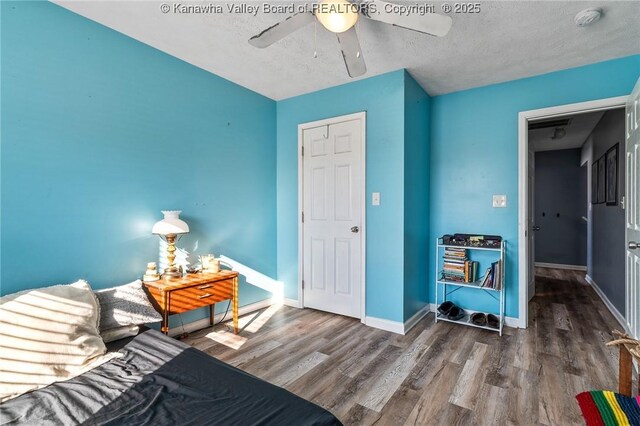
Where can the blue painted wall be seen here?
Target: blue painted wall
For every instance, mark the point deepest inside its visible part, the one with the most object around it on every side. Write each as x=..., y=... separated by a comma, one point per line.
x=474, y=153
x=416, y=196
x=560, y=203
x=101, y=132
x=382, y=97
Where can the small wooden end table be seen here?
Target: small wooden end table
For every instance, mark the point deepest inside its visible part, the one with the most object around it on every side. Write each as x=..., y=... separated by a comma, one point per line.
x=193, y=291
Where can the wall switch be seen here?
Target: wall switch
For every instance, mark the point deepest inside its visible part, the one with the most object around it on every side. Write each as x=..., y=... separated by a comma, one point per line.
x=499, y=201
x=375, y=199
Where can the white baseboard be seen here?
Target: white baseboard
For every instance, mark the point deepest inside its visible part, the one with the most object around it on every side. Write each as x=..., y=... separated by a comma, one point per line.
x=385, y=324
x=508, y=321
x=614, y=311
x=381, y=323
x=397, y=326
x=561, y=266
x=294, y=303
x=411, y=322
x=402, y=328
x=204, y=323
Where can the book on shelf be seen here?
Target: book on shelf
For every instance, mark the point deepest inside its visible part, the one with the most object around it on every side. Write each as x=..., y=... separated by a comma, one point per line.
x=457, y=267
x=497, y=268
x=473, y=271
x=493, y=276
x=485, y=279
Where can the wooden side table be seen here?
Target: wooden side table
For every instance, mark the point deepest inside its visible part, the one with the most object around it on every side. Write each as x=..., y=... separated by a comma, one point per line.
x=193, y=291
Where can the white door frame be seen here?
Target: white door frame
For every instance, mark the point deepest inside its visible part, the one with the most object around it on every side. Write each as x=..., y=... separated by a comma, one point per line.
x=523, y=146
x=362, y=116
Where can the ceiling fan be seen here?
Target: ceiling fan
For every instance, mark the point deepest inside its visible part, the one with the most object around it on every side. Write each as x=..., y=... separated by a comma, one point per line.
x=340, y=17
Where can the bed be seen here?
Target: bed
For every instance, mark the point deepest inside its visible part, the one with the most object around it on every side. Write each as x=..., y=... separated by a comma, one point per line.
x=161, y=381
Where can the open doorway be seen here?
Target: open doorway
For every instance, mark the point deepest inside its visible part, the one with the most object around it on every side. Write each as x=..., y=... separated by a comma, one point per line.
x=561, y=141
x=560, y=194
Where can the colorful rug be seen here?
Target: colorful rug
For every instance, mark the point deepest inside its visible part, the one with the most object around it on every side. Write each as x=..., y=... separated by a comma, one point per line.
x=606, y=408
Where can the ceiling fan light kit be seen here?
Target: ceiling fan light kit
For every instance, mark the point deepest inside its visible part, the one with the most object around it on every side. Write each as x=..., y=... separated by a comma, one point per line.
x=336, y=15
x=340, y=17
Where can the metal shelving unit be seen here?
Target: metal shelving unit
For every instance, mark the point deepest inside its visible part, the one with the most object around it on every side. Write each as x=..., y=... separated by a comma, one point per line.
x=446, y=288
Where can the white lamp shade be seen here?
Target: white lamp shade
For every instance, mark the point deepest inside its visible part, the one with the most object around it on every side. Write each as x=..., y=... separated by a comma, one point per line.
x=171, y=224
x=337, y=15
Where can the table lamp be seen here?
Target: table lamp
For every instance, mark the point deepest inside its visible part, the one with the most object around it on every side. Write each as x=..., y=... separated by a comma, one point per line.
x=170, y=227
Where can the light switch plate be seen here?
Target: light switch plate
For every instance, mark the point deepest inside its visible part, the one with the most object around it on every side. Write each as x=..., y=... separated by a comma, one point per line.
x=375, y=199
x=499, y=201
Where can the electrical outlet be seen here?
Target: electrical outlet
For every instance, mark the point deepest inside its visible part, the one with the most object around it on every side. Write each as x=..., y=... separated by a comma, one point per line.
x=499, y=201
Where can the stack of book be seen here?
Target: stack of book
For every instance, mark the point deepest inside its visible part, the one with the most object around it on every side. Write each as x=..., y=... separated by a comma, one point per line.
x=457, y=267
x=454, y=264
x=493, y=277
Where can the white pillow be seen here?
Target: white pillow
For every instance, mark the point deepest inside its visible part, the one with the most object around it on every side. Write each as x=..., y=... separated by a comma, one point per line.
x=113, y=334
x=48, y=335
x=125, y=305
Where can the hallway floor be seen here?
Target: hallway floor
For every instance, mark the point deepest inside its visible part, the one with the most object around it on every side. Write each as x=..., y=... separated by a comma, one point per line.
x=438, y=373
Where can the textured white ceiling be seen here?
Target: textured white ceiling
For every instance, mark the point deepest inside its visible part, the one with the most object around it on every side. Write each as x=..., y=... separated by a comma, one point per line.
x=578, y=130
x=505, y=41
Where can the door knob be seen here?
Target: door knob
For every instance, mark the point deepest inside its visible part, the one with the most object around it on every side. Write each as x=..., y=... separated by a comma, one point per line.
x=355, y=229
x=633, y=245
x=536, y=228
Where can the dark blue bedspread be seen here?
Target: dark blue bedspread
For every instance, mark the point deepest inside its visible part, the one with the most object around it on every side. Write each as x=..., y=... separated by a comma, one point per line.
x=161, y=381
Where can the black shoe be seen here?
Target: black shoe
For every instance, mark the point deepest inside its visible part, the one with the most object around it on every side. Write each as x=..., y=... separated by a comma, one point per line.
x=455, y=313
x=445, y=307
x=479, y=318
x=493, y=321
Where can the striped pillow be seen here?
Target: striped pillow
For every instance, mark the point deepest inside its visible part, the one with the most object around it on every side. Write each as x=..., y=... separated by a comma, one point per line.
x=48, y=335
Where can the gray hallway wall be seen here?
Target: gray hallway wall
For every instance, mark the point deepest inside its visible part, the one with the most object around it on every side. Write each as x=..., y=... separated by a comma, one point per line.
x=560, y=203
x=607, y=222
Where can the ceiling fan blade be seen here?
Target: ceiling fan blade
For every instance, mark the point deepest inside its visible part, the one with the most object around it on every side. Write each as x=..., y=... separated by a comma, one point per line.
x=351, y=52
x=282, y=29
x=429, y=23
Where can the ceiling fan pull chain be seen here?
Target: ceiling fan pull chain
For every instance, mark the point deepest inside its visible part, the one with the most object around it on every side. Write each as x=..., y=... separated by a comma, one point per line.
x=358, y=30
x=315, y=38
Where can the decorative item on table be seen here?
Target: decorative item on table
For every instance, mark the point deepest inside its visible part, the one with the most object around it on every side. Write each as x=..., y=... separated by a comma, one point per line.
x=194, y=269
x=151, y=274
x=210, y=264
x=168, y=229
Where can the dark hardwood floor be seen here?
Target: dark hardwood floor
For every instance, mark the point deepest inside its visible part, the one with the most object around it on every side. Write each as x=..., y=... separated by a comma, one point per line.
x=438, y=374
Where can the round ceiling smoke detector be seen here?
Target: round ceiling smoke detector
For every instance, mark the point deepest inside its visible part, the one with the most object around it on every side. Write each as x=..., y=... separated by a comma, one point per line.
x=588, y=16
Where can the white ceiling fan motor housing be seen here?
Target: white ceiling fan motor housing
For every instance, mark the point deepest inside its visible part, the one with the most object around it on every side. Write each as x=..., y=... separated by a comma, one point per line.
x=588, y=16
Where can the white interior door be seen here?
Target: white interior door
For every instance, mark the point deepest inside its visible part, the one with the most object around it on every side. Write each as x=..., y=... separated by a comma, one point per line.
x=332, y=205
x=632, y=206
x=531, y=226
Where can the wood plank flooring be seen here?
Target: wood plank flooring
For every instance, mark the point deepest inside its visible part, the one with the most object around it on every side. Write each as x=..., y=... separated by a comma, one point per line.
x=437, y=374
